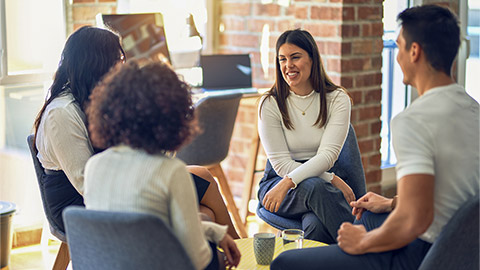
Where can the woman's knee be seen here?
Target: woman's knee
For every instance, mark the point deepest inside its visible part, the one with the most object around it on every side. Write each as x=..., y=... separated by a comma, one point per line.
x=201, y=172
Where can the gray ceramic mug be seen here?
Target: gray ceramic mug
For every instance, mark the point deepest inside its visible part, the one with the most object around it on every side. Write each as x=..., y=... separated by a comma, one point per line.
x=264, y=247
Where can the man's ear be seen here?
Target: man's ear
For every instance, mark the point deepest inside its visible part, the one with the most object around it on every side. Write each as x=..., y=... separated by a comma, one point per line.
x=415, y=52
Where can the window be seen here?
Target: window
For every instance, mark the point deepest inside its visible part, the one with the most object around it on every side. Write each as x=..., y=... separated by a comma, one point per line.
x=30, y=49
x=395, y=95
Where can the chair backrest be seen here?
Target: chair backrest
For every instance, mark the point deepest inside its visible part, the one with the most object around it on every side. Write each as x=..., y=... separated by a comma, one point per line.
x=216, y=118
x=457, y=245
x=121, y=240
x=54, y=229
x=348, y=167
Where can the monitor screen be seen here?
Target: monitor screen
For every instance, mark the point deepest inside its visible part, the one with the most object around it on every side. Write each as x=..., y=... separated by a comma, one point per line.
x=143, y=35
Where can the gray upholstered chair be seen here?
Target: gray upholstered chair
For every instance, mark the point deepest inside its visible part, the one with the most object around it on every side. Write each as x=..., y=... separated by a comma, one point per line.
x=63, y=258
x=216, y=118
x=457, y=245
x=121, y=240
x=348, y=167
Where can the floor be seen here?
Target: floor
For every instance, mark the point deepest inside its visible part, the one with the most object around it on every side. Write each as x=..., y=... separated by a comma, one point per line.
x=41, y=257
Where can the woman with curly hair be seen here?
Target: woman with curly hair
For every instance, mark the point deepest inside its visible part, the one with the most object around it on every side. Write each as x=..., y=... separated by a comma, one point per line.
x=141, y=113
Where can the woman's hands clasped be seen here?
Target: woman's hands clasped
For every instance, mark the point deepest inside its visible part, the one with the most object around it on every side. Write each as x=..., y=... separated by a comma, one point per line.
x=344, y=188
x=275, y=196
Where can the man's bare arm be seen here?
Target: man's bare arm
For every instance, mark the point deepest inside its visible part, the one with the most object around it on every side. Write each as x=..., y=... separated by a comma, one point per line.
x=411, y=217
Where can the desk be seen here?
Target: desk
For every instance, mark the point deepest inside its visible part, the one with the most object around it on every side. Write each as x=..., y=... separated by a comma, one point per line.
x=247, y=261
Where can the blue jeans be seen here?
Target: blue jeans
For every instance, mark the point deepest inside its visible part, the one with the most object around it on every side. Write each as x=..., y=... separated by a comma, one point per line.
x=332, y=257
x=321, y=206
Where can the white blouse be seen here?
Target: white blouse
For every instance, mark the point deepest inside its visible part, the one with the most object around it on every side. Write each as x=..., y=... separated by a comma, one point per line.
x=124, y=179
x=62, y=139
x=320, y=146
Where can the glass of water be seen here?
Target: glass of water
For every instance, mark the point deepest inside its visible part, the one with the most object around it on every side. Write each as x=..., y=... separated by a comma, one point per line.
x=292, y=239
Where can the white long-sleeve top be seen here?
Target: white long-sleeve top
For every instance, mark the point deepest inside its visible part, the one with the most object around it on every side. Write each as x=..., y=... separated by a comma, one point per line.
x=62, y=139
x=320, y=146
x=124, y=179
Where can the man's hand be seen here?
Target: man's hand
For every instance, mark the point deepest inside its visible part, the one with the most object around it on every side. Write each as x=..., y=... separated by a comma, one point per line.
x=231, y=251
x=275, y=196
x=371, y=202
x=344, y=188
x=350, y=238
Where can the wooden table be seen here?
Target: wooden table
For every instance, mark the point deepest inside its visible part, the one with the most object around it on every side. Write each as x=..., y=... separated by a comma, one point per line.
x=245, y=245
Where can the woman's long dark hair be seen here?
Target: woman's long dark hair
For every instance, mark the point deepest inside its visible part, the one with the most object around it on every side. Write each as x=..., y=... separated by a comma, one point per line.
x=89, y=53
x=318, y=77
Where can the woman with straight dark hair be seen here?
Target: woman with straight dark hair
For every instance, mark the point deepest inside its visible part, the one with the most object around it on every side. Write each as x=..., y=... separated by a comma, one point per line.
x=303, y=122
x=61, y=135
x=62, y=138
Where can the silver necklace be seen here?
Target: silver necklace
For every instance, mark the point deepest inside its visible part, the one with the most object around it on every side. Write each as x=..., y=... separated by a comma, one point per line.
x=303, y=111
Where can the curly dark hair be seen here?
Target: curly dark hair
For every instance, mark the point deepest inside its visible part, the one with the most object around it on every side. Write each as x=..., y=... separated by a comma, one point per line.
x=142, y=105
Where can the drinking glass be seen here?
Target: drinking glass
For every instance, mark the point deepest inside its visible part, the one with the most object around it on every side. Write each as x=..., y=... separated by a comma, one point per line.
x=292, y=239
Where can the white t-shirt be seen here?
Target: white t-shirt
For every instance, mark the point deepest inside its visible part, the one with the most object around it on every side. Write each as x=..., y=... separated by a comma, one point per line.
x=438, y=134
x=123, y=179
x=320, y=146
x=62, y=139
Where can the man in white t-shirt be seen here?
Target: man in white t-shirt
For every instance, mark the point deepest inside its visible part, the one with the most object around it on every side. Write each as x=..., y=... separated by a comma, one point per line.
x=436, y=140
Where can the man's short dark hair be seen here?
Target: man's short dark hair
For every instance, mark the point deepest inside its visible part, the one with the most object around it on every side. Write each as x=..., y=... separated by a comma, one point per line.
x=436, y=30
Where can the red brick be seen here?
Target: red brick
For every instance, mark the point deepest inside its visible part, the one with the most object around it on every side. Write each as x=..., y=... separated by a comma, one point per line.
x=378, y=46
x=332, y=65
x=266, y=9
x=361, y=130
x=371, y=112
x=234, y=24
x=82, y=1
x=373, y=96
x=238, y=9
x=347, y=30
x=255, y=25
x=356, y=64
x=322, y=29
x=376, y=127
x=284, y=25
x=346, y=48
x=240, y=40
x=375, y=160
x=357, y=97
x=365, y=145
x=301, y=12
x=329, y=47
x=373, y=176
x=347, y=82
x=362, y=47
x=368, y=80
x=88, y=13
x=355, y=113
x=369, y=13
x=377, y=62
x=326, y=13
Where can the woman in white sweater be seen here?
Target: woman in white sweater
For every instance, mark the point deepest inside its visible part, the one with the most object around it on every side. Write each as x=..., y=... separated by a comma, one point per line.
x=140, y=113
x=303, y=123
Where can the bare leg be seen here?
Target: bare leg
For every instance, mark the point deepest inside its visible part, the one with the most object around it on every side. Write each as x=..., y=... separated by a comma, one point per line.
x=213, y=201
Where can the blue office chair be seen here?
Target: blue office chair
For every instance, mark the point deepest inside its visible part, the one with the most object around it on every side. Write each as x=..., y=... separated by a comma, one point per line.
x=216, y=116
x=110, y=240
x=348, y=167
x=457, y=245
x=63, y=258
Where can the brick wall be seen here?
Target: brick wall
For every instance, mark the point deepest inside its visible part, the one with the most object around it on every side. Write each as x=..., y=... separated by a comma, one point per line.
x=83, y=12
x=349, y=36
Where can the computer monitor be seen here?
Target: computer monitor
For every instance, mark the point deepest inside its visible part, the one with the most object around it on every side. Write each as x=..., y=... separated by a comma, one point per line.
x=143, y=35
x=226, y=71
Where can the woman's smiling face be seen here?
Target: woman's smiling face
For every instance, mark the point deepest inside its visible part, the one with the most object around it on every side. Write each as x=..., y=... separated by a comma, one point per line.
x=296, y=66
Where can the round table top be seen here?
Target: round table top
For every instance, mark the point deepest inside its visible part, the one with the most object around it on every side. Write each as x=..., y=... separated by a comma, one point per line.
x=245, y=245
x=7, y=208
